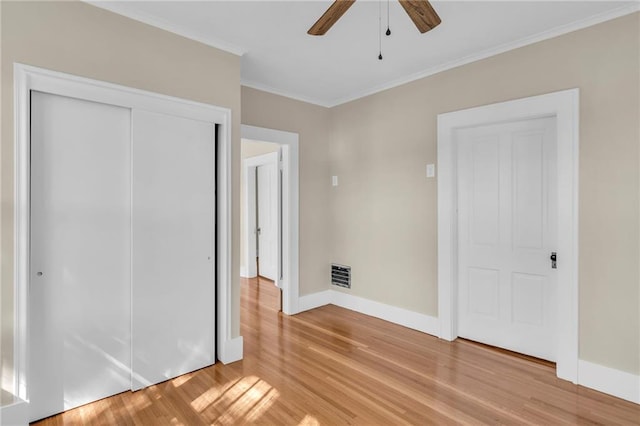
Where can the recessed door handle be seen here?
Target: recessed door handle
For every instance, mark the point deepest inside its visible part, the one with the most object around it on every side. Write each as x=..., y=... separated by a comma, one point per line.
x=39, y=274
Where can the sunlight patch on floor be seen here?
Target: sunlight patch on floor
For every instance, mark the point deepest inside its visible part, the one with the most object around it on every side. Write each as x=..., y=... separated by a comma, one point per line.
x=89, y=412
x=210, y=396
x=309, y=420
x=262, y=405
x=246, y=400
x=181, y=380
x=140, y=401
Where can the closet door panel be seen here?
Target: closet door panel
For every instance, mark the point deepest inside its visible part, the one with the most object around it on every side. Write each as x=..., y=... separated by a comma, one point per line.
x=173, y=315
x=79, y=291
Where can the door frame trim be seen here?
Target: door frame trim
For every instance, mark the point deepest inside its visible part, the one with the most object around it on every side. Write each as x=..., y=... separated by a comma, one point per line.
x=288, y=142
x=27, y=78
x=249, y=216
x=564, y=106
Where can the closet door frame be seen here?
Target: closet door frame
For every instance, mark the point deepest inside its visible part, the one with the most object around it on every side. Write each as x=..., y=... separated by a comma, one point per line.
x=28, y=78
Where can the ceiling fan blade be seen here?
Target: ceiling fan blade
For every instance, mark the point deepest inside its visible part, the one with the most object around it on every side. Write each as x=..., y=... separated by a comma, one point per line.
x=422, y=14
x=330, y=17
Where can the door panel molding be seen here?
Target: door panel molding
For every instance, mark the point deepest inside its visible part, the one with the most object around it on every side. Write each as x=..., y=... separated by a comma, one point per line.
x=28, y=78
x=564, y=106
x=503, y=188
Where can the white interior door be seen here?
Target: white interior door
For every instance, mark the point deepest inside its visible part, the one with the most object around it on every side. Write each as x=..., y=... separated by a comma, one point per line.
x=507, y=201
x=268, y=225
x=79, y=295
x=173, y=247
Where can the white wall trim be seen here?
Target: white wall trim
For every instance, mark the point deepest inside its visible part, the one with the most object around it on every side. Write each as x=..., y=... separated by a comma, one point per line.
x=15, y=414
x=414, y=320
x=564, y=106
x=603, y=379
x=27, y=78
x=290, y=208
x=243, y=272
x=404, y=317
x=314, y=300
x=610, y=381
x=232, y=350
x=516, y=44
x=224, y=304
x=288, y=94
x=121, y=8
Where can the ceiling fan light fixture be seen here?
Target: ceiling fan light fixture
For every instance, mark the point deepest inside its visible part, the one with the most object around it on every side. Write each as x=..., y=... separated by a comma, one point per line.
x=330, y=17
x=388, y=33
x=421, y=13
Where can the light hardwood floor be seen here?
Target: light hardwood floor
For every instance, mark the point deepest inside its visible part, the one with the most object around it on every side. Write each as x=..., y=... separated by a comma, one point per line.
x=331, y=366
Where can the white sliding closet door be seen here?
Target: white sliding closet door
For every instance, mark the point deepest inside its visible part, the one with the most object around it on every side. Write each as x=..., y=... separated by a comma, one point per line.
x=173, y=247
x=79, y=295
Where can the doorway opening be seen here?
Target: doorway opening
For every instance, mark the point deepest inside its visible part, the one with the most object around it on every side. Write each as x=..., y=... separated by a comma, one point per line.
x=260, y=208
x=269, y=212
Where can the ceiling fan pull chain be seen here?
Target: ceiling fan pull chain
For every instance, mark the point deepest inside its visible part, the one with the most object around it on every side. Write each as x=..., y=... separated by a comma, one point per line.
x=388, y=28
x=380, y=28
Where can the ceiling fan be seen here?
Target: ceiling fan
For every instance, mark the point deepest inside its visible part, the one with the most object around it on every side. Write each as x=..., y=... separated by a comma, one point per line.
x=420, y=11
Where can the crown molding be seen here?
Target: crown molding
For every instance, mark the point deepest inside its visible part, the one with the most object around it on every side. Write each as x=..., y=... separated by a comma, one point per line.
x=295, y=96
x=121, y=8
x=545, y=35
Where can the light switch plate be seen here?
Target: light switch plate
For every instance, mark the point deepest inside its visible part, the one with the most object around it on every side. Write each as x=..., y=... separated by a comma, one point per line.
x=334, y=180
x=431, y=170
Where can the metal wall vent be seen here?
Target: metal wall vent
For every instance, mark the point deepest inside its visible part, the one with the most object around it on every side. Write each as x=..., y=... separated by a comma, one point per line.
x=341, y=275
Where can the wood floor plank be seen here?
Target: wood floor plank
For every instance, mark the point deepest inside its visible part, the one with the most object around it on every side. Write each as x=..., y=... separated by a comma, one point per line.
x=332, y=366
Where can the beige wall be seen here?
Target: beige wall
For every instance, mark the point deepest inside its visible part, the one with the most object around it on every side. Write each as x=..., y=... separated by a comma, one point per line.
x=311, y=122
x=383, y=213
x=249, y=149
x=80, y=39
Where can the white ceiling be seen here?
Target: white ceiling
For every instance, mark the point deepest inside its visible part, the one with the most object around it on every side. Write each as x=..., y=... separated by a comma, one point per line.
x=279, y=56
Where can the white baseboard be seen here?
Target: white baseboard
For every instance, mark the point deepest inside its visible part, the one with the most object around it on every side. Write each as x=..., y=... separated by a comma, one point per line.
x=608, y=380
x=421, y=322
x=15, y=414
x=416, y=321
x=604, y=379
x=314, y=300
x=244, y=273
x=231, y=350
